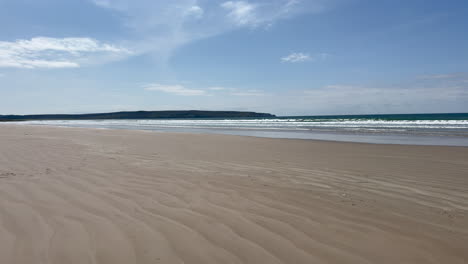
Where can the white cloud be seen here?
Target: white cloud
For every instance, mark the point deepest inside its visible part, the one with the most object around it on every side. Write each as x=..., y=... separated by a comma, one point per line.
x=302, y=57
x=241, y=12
x=159, y=27
x=256, y=13
x=296, y=57
x=43, y=52
x=156, y=26
x=178, y=89
x=174, y=89
x=195, y=11
x=291, y=3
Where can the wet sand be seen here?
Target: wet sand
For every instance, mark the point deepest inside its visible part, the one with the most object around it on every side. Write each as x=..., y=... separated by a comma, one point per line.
x=70, y=195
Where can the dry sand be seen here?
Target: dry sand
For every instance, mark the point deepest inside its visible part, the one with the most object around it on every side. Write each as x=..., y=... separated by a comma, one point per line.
x=105, y=196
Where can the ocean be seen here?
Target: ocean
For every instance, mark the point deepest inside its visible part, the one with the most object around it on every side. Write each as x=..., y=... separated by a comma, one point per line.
x=417, y=129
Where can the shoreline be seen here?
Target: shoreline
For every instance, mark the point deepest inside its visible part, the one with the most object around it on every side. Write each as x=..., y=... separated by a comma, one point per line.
x=464, y=144
x=80, y=195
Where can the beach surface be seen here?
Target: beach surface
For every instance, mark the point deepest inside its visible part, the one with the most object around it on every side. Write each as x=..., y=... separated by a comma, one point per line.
x=75, y=195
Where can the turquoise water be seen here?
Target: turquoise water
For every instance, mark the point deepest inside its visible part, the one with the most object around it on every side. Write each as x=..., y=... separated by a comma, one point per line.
x=390, y=117
x=423, y=129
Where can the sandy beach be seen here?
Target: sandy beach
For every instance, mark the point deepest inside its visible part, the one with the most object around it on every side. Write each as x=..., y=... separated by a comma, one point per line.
x=70, y=195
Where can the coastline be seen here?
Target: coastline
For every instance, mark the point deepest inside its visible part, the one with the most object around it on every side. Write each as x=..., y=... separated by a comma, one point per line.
x=327, y=136
x=128, y=196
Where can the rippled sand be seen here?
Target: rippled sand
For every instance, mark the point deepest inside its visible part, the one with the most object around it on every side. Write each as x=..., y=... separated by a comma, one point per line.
x=107, y=196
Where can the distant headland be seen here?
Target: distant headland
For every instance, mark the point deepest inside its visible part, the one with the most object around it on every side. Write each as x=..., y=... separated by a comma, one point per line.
x=139, y=115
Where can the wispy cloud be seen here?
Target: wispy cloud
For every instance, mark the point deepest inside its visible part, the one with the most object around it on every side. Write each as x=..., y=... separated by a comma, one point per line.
x=195, y=11
x=241, y=12
x=296, y=57
x=178, y=89
x=43, y=52
x=160, y=27
x=174, y=89
x=256, y=13
x=303, y=57
x=157, y=27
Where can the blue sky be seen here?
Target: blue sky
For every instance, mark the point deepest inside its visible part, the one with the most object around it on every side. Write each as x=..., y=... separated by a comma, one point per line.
x=287, y=57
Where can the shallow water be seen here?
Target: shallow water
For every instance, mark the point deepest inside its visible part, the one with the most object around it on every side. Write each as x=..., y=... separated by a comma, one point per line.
x=425, y=129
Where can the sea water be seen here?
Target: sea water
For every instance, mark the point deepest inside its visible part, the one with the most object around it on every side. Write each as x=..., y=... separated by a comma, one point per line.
x=419, y=129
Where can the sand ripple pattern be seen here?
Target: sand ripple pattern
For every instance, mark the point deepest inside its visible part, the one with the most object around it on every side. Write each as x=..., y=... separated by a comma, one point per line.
x=100, y=196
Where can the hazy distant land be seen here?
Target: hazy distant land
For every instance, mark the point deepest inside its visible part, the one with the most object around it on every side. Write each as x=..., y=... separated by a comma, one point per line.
x=139, y=115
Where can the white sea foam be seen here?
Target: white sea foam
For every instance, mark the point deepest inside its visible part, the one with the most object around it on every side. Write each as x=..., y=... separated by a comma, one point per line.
x=301, y=124
x=419, y=132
